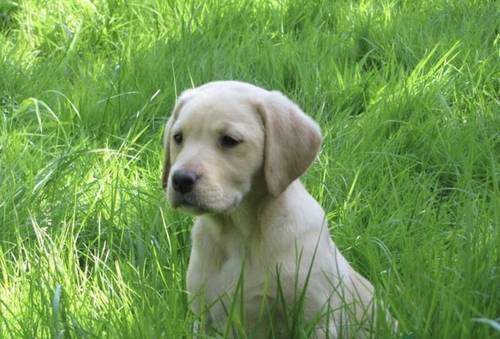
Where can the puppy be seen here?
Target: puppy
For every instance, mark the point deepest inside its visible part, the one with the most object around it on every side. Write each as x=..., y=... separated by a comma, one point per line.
x=234, y=155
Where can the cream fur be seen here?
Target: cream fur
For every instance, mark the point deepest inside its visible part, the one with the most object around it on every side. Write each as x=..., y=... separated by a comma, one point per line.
x=254, y=218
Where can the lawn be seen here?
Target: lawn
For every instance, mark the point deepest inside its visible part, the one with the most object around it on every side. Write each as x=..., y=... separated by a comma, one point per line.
x=408, y=97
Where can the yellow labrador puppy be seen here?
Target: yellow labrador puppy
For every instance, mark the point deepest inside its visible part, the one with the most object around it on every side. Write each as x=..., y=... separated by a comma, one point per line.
x=234, y=155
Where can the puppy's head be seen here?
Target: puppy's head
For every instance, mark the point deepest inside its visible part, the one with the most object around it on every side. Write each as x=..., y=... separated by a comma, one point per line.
x=223, y=136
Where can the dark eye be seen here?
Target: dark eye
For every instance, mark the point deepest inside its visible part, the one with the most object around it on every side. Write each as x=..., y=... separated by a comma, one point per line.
x=228, y=142
x=178, y=138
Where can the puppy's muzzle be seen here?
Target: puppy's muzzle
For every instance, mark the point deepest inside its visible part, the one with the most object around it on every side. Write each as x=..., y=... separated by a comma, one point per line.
x=183, y=181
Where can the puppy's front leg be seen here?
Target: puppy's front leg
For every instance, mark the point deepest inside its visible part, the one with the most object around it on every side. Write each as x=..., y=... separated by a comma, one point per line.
x=202, y=275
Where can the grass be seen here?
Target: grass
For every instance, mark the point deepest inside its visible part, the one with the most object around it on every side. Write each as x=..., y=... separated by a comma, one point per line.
x=407, y=94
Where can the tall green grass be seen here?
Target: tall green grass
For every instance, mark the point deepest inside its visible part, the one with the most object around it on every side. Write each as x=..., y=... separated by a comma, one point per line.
x=408, y=97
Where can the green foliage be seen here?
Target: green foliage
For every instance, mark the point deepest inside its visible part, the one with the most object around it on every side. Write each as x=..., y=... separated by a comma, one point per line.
x=407, y=94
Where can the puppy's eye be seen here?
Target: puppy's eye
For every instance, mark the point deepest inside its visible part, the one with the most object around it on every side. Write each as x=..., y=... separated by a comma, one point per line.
x=178, y=138
x=228, y=141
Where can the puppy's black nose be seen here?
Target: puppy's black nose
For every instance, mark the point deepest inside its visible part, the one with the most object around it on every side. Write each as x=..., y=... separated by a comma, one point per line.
x=183, y=181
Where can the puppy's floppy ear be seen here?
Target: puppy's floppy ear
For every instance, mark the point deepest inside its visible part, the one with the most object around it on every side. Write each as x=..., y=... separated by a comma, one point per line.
x=166, y=144
x=167, y=135
x=292, y=141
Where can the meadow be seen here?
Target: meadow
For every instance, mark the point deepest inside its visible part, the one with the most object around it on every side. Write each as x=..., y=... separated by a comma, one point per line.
x=408, y=97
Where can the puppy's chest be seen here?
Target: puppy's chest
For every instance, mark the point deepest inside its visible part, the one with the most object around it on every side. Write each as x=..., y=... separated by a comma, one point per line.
x=222, y=267
x=230, y=269
x=225, y=280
